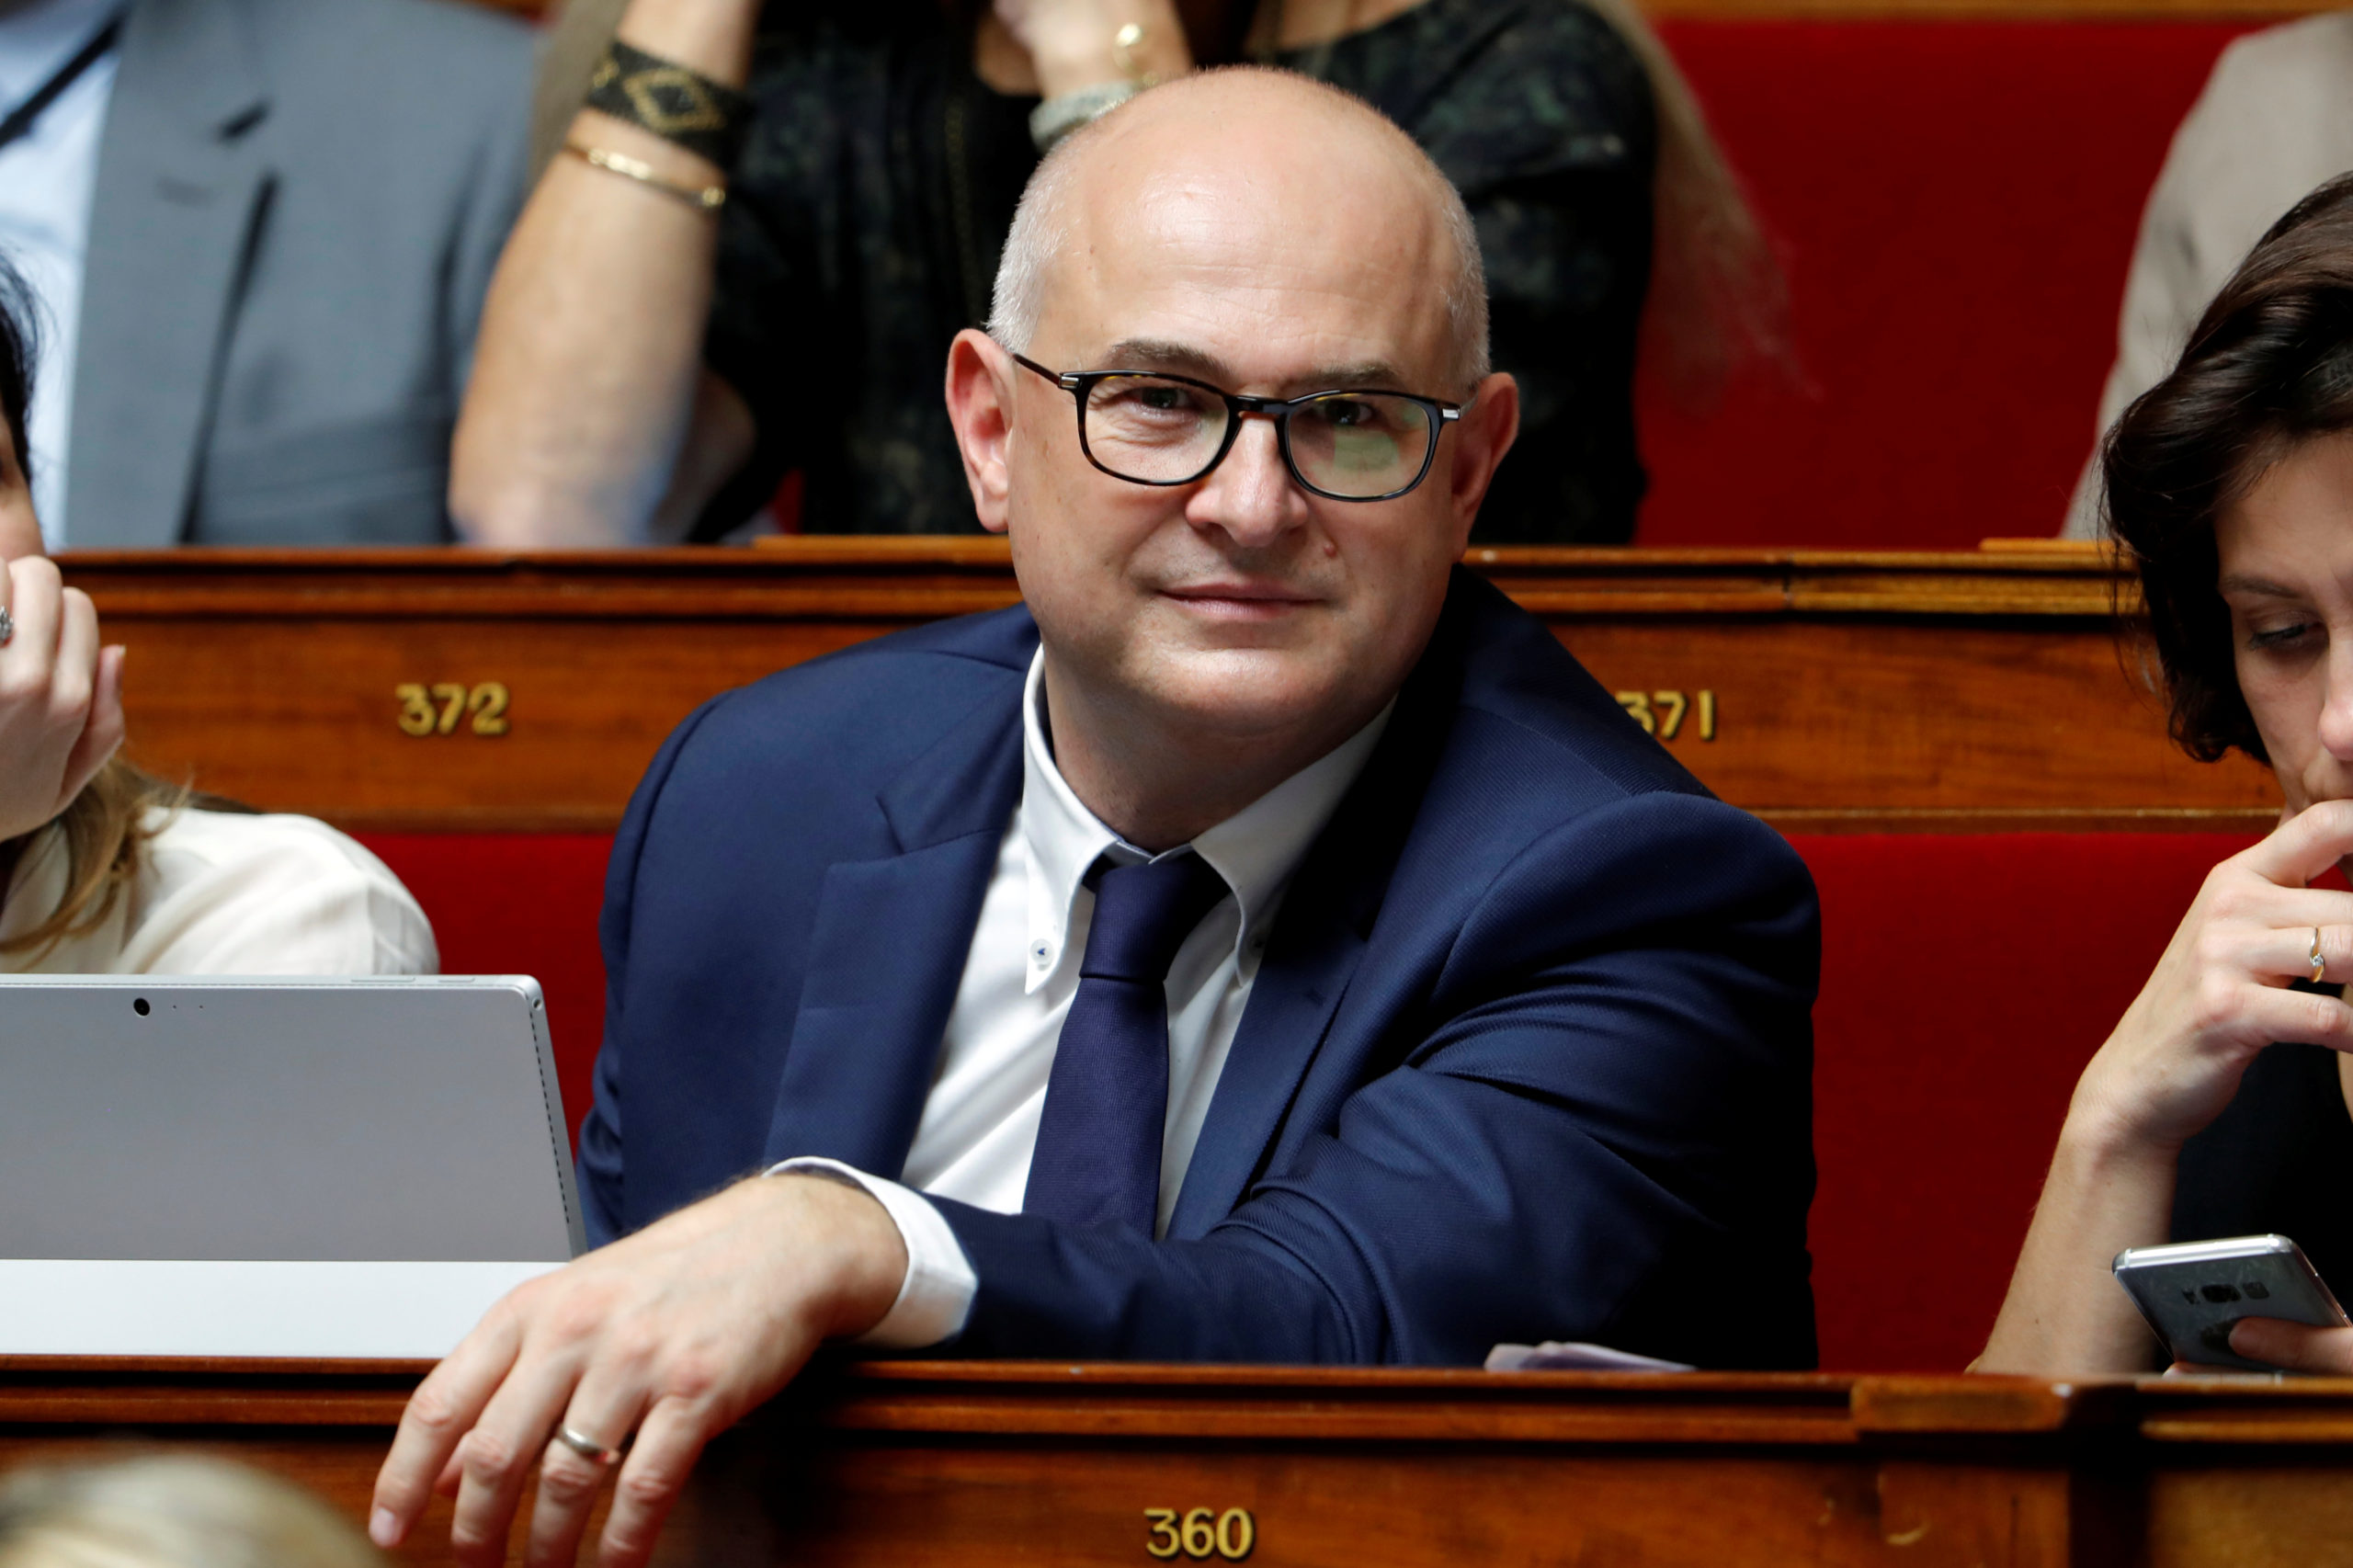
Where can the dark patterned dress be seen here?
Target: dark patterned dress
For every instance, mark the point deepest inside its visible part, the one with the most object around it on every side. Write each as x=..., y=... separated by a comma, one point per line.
x=865, y=219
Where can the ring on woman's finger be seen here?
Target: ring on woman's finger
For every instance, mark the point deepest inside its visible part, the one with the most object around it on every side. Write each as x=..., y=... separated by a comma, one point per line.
x=8, y=626
x=586, y=1446
x=2320, y=964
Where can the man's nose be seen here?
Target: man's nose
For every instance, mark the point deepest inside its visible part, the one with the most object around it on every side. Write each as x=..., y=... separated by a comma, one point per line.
x=1250, y=495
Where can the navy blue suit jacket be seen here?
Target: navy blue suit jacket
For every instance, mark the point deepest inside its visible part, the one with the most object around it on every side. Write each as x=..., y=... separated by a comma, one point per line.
x=1527, y=1057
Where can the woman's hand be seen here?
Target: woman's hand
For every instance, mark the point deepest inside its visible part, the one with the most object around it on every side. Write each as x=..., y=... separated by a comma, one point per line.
x=1073, y=44
x=2220, y=993
x=61, y=696
x=2293, y=1346
x=2218, y=996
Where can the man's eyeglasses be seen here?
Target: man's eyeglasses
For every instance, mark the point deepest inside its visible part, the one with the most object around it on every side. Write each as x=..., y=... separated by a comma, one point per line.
x=1346, y=445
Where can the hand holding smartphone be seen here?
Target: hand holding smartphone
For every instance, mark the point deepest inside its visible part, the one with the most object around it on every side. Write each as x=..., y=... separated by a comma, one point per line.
x=2192, y=1293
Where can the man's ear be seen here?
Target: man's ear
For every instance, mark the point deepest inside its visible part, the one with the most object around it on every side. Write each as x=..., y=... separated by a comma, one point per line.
x=980, y=406
x=1482, y=435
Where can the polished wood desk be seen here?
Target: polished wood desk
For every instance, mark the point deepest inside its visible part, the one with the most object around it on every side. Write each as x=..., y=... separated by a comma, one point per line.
x=426, y=689
x=1000, y=1463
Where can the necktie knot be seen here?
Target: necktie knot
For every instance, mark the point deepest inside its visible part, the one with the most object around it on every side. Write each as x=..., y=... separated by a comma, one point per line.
x=1142, y=915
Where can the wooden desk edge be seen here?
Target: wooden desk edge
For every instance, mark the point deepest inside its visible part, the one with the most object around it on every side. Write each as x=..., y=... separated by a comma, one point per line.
x=1048, y=1400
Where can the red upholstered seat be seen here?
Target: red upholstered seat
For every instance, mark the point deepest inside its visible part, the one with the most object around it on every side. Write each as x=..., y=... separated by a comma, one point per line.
x=1965, y=980
x=1956, y=202
x=519, y=903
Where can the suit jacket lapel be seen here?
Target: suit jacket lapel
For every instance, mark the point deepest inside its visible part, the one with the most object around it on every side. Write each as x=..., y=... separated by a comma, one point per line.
x=181, y=191
x=889, y=950
x=1320, y=938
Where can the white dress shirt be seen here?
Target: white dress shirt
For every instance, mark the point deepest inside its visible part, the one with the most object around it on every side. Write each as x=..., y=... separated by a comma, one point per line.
x=980, y=1121
x=219, y=893
x=46, y=179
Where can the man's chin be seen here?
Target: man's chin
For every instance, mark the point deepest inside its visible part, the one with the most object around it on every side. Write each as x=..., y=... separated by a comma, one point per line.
x=1244, y=690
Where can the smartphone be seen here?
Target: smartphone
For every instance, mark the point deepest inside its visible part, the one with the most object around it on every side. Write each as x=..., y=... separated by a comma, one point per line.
x=2192, y=1293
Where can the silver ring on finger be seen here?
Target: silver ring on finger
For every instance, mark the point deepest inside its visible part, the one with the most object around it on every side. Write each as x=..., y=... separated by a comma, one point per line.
x=586, y=1446
x=2320, y=964
x=8, y=626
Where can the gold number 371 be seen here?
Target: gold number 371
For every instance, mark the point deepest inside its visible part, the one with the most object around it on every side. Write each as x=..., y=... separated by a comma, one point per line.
x=436, y=709
x=1661, y=712
x=1201, y=1533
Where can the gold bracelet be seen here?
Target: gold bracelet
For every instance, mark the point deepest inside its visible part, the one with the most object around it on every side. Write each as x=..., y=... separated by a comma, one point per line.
x=705, y=198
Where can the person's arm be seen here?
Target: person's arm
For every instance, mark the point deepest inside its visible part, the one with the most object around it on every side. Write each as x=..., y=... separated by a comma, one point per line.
x=2219, y=995
x=590, y=419
x=1612, y=1107
x=61, y=696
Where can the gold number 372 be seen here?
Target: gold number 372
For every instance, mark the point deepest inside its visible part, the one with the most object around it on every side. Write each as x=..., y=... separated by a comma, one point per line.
x=1201, y=1533
x=436, y=709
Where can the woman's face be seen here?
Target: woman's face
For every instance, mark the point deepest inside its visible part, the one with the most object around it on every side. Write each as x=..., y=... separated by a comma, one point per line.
x=19, y=533
x=2286, y=551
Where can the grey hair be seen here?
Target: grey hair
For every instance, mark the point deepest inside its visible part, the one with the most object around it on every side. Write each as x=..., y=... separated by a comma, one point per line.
x=1041, y=225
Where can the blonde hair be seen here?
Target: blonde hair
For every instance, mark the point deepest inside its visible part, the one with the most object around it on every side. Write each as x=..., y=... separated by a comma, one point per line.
x=104, y=831
x=171, y=1511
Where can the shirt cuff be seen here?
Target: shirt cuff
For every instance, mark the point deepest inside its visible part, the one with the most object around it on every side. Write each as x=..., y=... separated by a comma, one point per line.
x=936, y=1295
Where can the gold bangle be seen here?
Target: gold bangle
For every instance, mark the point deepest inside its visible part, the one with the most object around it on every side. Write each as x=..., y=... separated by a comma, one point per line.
x=705, y=198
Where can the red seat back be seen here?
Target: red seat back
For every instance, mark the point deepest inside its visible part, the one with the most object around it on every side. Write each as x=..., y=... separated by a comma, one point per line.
x=1956, y=202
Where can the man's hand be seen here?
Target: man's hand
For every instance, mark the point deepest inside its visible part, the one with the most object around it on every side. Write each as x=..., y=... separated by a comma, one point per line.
x=675, y=1332
x=61, y=696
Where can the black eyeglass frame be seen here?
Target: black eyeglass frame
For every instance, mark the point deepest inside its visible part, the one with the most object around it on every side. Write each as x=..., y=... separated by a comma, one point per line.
x=1080, y=384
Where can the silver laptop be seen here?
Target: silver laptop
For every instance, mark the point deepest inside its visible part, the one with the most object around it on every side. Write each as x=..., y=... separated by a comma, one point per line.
x=311, y=1166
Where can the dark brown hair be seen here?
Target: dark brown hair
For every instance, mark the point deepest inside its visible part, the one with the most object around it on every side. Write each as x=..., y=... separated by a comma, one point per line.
x=105, y=825
x=2270, y=366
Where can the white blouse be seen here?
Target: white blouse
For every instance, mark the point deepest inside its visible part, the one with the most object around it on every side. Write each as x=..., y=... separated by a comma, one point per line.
x=220, y=893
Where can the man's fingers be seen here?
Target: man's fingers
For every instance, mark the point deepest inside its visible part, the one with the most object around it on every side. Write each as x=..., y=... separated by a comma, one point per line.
x=505, y=1446
x=439, y=1413
x=602, y=1411
x=2294, y=1347
x=668, y=1442
x=569, y=1484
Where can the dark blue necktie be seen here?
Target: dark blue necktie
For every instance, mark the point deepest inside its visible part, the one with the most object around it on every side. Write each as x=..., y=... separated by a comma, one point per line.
x=1098, y=1139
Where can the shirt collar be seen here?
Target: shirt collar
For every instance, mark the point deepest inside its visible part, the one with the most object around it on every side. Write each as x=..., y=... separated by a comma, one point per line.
x=1256, y=850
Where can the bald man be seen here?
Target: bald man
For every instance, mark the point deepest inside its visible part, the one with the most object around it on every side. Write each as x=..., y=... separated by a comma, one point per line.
x=1266, y=945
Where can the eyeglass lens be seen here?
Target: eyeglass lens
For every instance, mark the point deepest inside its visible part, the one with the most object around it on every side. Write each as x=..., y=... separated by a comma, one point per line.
x=1357, y=445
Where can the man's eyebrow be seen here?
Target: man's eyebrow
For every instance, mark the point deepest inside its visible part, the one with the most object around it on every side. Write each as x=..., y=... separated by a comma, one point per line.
x=1158, y=354
x=2240, y=583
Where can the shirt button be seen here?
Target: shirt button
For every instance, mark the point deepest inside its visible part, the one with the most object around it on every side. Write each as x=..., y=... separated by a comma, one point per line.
x=1041, y=954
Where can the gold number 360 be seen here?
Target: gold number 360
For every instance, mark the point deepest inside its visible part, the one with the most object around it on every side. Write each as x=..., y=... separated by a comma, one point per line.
x=1202, y=1533
x=436, y=709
